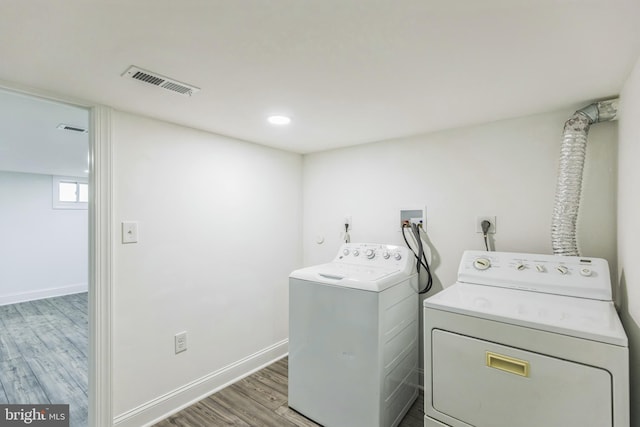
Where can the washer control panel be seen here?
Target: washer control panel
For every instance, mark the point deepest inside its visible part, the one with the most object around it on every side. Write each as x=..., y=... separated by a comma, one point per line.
x=581, y=277
x=375, y=255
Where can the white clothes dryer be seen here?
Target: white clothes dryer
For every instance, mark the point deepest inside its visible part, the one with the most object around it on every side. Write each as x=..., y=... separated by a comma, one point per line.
x=525, y=340
x=353, y=337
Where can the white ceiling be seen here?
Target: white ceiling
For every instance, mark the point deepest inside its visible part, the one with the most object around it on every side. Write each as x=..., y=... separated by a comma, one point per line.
x=346, y=71
x=31, y=142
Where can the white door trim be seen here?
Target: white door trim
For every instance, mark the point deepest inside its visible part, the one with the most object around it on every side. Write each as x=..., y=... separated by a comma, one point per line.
x=100, y=268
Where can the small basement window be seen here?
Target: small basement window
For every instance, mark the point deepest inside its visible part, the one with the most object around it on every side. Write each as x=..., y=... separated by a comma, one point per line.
x=70, y=192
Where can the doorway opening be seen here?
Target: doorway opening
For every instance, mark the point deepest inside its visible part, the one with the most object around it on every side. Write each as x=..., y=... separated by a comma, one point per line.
x=45, y=175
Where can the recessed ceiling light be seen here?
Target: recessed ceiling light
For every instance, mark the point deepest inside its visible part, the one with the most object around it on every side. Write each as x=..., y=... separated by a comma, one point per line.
x=279, y=120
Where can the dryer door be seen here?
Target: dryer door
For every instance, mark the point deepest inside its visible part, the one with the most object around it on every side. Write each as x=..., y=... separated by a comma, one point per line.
x=484, y=384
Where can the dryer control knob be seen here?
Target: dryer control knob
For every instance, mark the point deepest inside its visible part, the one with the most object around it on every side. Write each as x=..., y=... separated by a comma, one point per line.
x=397, y=256
x=356, y=252
x=370, y=253
x=345, y=252
x=386, y=254
x=520, y=266
x=585, y=272
x=562, y=269
x=481, y=263
x=540, y=268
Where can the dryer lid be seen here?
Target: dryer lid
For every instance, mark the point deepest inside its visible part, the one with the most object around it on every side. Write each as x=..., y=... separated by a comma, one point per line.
x=577, y=317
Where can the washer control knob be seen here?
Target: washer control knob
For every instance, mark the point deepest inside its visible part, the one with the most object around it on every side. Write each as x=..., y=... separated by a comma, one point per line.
x=520, y=266
x=397, y=256
x=370, y=253
x=482, y=263
x=540, y=268
x=562, y=269
x=345, y=252
x=356, y=252
x=585, y=272
x=386, y=254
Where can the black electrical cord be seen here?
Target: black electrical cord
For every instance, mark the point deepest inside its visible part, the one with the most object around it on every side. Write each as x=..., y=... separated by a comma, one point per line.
x=421, y=257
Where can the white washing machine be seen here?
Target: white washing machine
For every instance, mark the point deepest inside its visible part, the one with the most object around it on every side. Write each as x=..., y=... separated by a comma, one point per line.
x=353, y=337
x=524, y=340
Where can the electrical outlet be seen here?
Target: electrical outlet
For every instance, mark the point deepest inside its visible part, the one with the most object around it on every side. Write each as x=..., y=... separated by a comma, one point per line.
x=491, y=219
x=347, y=220
x=180, y=341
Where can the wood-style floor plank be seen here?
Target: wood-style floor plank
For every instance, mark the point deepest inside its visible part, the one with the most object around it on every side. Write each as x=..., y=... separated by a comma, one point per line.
x=273, y=379
x=72, y=306
x=43, y=354
x=259, y=400
x=3, y=396
x=21, y=324
x=247, y=409
x=201, y=414
x=262, y=393
x=291, y=415
x=65, y=315
x=8, y=348
x=415, y=415
x=20, y=384
x=223, y=417
x=60, y=387
x=80, y=301
x=280, y=367
x=76, y=366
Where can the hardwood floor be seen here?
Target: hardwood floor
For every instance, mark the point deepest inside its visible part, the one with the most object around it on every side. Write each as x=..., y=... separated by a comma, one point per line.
x=43, y=354
x=259, y=400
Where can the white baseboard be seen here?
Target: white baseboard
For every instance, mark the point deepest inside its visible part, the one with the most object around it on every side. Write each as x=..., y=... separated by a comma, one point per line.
x=163, y=406
x=43, y=293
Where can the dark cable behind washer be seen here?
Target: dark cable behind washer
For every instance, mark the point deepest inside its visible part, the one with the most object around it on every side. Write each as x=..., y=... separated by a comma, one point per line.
x=421, y=257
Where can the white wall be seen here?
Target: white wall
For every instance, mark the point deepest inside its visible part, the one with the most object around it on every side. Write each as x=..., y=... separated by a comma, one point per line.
x=507, y=169
x=44, y=251
x=219, y=224
x=629, y=228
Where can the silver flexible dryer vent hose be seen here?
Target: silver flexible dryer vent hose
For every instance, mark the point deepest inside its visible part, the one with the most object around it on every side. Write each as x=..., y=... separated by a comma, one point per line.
x=569, y=185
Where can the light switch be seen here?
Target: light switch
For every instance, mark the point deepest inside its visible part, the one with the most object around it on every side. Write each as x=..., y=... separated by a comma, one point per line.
x=129, y=232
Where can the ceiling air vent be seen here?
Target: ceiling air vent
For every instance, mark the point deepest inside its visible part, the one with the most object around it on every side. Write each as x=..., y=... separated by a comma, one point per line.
x=72, y=128
x=159, y=80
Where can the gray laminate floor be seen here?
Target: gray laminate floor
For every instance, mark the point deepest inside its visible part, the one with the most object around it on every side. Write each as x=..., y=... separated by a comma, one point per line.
x=259, y=400
x=43, y=354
